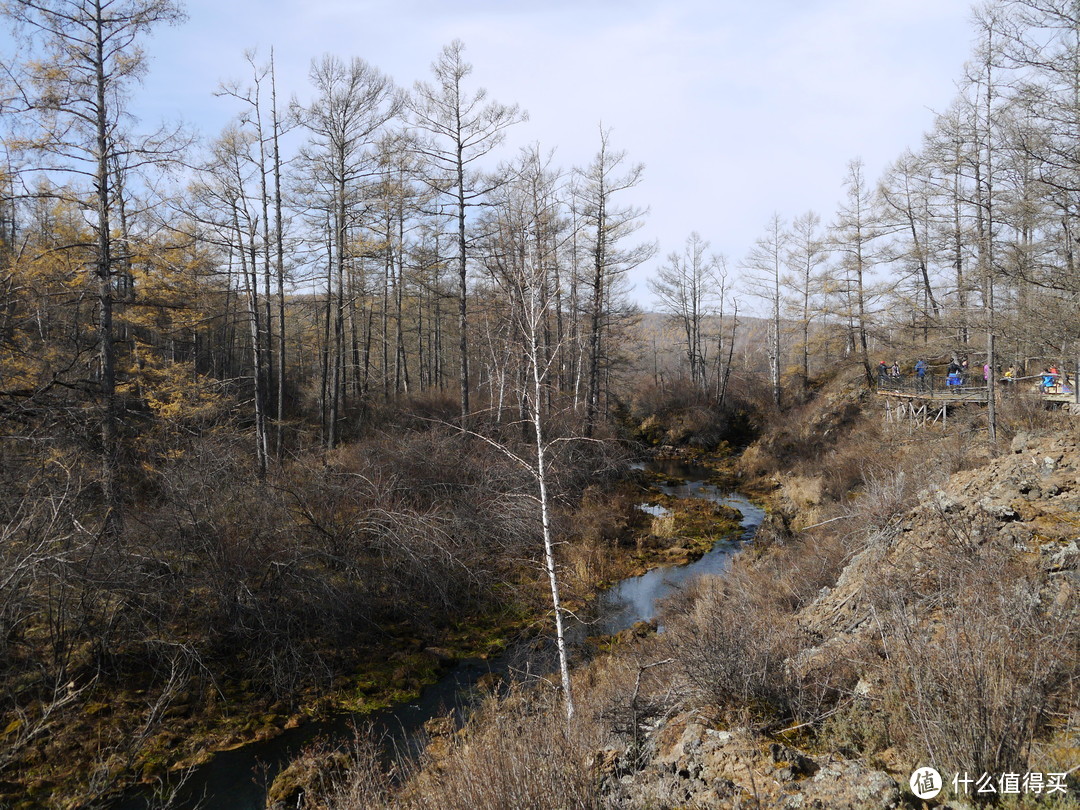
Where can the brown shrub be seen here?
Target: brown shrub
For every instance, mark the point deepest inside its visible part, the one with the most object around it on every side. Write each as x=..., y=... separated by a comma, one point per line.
x=738, y=642
x=1026, y=410
x=517, y=752
x=977, y=657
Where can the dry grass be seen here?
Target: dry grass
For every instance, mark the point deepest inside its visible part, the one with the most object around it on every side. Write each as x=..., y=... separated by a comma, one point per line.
x=517, y=752
x=736, y=637
x=663, y=525
x=604, y=520
x=978, y=657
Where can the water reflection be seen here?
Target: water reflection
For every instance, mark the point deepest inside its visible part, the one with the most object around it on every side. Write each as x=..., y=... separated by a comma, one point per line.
x=637, y=598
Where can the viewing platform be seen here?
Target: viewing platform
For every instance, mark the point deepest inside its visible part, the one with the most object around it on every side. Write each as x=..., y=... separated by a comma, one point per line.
x=933, y=387
x=927, y=399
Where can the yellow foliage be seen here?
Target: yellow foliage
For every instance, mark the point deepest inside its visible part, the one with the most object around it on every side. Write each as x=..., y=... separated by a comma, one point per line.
x=174, y=391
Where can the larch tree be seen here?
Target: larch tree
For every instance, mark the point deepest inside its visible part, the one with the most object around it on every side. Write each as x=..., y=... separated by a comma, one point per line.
x=763, y=271
x=804, y=261
x=607, y=224
x=853, y=237
x=1045, y=45
x=687, y=288
x=261, y=115
x=907, y=196
x=85, y=56
x=225, y=205
x=948, y=149
x=462, y=127
x=984, y=91
x=354, y=102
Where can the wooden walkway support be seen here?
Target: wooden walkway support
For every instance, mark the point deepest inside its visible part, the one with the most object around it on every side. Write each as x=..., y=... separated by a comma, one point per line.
x=918, y=411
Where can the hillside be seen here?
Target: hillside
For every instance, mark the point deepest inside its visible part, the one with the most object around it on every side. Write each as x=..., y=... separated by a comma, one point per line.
x=978, y=583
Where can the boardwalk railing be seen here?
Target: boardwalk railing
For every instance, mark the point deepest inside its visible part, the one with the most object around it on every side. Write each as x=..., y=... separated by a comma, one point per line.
x=972, y=387
x=936, y=386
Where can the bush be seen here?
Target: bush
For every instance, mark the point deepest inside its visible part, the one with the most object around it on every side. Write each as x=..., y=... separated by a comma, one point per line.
x=680, y=415
x=976, y=659
x=515, y=753
x=738, y=641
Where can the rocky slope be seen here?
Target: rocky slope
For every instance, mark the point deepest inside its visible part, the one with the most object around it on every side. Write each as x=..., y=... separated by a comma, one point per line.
x=698, y=766
x=1028, y=501
x=1017, y=516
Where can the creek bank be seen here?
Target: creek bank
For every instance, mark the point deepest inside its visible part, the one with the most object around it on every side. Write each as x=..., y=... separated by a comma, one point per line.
x=1006, y=528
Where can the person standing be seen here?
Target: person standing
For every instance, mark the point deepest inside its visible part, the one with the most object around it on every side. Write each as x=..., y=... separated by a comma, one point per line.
x=920, y=372
x=1048, y=380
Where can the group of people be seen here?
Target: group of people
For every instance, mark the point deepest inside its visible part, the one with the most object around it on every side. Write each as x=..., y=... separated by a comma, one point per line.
x=884, y=371
x=1051, y=380
x=956, y=371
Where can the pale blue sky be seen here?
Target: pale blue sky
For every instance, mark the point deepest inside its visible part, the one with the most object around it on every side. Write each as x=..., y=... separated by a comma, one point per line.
x=737, y=110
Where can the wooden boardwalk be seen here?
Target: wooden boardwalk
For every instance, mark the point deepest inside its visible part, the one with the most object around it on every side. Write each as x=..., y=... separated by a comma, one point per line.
x=959, y=394
x=927, y=400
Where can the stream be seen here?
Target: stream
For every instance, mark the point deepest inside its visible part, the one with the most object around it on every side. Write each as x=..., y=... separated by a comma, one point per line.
x=238, y=779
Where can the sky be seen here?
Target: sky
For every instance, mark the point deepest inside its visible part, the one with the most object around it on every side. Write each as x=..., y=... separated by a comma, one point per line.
x=737, y=110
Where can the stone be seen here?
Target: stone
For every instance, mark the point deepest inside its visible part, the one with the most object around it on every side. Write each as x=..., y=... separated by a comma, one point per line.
x=998, y=510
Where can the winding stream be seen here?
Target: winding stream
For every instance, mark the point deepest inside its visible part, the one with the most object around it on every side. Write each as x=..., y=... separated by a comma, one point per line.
x=238, y=779
x=637, y=598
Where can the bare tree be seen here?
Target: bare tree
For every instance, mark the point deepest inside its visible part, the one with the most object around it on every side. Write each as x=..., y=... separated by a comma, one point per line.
x=462, y=129
x=853, y=237
x=687, y=288
x=763, y=266
x=355, y=101
x=907, y=194
x=804, y=259
x=607, y=224
x=521, y=234
x=268, y=126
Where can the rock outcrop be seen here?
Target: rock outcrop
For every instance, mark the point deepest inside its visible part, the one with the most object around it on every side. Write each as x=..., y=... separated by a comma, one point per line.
x=1028, y=501
x=693, y=765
